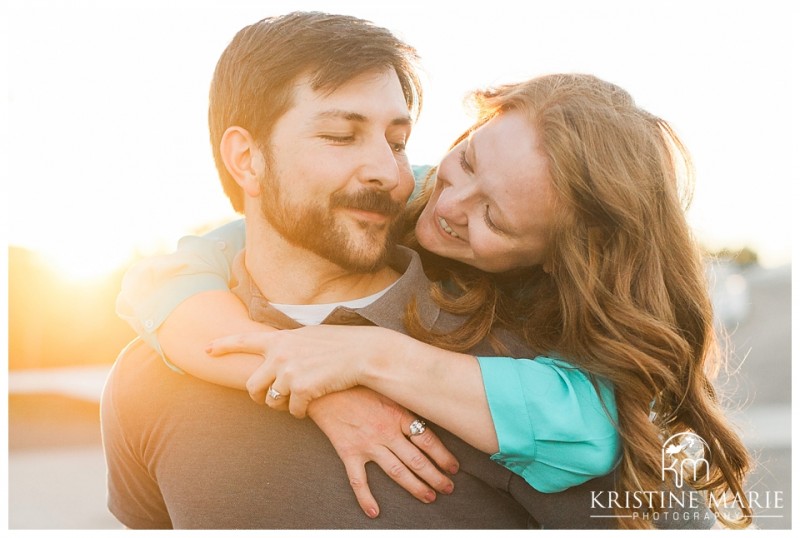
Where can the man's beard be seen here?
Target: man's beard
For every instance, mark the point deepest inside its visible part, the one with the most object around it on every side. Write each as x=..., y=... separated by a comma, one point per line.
x=315, y=228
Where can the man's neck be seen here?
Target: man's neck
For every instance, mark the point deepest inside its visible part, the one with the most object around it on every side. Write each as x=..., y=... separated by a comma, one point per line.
x=288, y=274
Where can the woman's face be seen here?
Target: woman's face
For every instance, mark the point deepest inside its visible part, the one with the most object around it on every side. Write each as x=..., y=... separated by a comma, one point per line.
x=492, y=204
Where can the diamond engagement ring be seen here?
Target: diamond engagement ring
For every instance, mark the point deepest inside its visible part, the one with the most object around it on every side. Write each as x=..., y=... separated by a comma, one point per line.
x=417, y=428
x=275, y=395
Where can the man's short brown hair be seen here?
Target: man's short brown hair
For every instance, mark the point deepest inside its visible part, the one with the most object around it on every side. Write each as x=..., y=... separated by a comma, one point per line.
x=253, y=81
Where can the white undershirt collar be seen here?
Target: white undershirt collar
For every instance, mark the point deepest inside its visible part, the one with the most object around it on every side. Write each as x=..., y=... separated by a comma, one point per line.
x=314, y=314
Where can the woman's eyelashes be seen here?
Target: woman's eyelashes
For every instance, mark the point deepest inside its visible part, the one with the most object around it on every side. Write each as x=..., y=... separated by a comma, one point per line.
x=463, y=160
x=468, y=169
x=489, y=222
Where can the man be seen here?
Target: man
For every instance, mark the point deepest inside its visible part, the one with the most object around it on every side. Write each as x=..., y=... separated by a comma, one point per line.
x=309, y=115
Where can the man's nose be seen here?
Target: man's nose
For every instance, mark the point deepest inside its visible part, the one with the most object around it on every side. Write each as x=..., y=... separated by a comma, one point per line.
x=381, y=169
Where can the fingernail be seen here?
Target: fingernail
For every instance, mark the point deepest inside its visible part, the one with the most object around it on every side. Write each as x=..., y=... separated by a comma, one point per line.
x=448, y=489
x=372, y=512
x=454, y=469
x=430, y=496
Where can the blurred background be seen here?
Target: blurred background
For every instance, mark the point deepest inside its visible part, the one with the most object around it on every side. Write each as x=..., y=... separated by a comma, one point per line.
x=105, y=160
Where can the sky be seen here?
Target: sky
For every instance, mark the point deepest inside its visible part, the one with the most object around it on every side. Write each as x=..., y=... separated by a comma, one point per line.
x=104, y=130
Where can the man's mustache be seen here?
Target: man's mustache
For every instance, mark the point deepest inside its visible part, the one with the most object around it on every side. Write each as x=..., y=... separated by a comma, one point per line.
x=368, y=200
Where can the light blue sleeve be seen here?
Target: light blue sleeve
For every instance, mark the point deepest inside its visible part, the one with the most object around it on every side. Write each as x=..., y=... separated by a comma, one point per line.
x=152, y=288
x=552, y=427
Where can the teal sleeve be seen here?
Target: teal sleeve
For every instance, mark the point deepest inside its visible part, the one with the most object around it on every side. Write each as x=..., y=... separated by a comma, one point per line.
x=553, y=428
x=152, y=288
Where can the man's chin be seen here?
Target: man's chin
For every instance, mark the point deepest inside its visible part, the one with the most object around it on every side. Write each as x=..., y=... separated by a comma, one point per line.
x=360, y=248
x=367, y=237
x=366, y=230
x=367, y=261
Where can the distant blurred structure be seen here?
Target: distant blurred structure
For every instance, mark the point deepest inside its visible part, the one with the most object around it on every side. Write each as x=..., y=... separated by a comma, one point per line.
x=743, y=257
x=730, y=293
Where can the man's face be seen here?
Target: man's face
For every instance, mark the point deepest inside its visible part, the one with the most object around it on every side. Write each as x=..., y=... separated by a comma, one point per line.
x=337, y=177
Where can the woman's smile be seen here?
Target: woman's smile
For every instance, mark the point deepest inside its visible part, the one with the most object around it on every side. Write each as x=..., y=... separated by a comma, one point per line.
x=446, y=227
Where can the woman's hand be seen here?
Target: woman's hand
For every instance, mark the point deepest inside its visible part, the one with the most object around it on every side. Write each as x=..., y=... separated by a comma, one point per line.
x=364, y=426
x=304, y=364
x=301, y=365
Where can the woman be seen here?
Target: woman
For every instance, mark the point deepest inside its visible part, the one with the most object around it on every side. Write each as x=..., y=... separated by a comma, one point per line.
x=557, y=216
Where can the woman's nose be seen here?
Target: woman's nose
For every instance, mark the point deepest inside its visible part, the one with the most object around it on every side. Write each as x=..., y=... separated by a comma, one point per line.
x=454, y=202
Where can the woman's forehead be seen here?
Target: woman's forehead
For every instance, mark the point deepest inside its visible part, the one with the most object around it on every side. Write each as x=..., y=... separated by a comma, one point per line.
x=505, y=153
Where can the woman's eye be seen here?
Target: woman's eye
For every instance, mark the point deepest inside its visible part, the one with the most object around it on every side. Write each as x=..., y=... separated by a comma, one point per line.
x=489, y=222
x=463, y=160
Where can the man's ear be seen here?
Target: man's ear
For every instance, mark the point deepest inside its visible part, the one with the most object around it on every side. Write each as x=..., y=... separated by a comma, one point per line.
x=242, y=159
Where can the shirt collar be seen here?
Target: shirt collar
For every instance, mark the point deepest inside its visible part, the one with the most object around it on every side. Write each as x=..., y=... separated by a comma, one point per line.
x=387, y=311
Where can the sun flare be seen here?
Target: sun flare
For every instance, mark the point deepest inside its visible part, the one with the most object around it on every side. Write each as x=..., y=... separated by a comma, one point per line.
x=85, y=265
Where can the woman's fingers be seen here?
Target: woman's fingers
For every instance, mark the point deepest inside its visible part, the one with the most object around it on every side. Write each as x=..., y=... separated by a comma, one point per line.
x=430, y=443
x=295, y=362
x=298, y=404
x=400, y=472
x=412, y=458
x=357, y=475
x=261, y=381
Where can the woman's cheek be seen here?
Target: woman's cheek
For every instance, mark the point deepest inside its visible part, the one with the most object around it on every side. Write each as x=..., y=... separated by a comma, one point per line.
x=489, y=255
x=424, y=232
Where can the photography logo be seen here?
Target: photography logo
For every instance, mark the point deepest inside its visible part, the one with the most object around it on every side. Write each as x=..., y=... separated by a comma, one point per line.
x=684, y=463
x=683, y=455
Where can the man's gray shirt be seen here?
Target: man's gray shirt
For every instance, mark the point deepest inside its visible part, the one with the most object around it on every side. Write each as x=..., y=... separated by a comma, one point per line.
x=183, y=453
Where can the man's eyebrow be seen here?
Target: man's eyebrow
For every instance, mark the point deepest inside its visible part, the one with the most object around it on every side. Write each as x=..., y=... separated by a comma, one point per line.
x=355, y=116
x=402, y=120
x=341, y=114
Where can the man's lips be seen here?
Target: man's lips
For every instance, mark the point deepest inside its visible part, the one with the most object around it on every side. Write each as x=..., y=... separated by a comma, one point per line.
x=368, y=216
